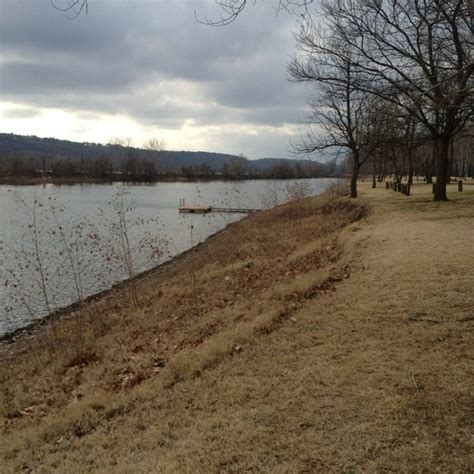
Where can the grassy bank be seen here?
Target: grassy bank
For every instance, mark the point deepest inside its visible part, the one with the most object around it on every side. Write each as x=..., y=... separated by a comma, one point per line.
x=323, y=335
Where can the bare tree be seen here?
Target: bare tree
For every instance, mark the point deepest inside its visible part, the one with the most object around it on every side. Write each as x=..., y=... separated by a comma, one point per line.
x=126, y=142
x=399, y=136
x=342, y=113
x=231, y=9
x=154, y=144
x=125, y=158
x=72, y=8
x=422, y=49
x=462, y=152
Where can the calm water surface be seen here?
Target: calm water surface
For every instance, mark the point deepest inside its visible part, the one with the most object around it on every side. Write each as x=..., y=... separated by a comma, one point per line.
x=85, y=218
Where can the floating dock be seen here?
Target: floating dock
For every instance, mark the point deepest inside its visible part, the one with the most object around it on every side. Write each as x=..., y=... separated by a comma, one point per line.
x=189, y=209
x=195, y=209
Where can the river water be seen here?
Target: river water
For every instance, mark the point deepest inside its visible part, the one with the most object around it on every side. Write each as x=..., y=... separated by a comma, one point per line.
x=62, y=243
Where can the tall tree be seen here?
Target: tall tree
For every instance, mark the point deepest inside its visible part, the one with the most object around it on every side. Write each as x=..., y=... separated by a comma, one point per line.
x=422, y=49
x=341, y=112
x=155, y=145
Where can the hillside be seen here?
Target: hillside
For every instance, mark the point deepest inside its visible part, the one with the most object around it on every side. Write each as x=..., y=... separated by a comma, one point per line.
x=48, y=150
x=342, y=345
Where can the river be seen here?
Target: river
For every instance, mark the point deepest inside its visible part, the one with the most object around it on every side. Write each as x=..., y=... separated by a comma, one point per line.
x=62, y=243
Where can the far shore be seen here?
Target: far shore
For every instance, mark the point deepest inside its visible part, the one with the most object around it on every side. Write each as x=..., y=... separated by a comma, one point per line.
x=73, y=180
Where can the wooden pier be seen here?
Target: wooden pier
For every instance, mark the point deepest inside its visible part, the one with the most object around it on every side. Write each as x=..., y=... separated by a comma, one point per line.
x=195, y=209
x=191, y=209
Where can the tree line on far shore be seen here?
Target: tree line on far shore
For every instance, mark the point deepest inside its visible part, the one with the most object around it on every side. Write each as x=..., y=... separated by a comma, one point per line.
x=138, y=169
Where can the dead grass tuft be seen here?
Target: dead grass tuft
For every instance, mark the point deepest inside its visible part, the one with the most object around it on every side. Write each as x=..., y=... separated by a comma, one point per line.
x=83, y=359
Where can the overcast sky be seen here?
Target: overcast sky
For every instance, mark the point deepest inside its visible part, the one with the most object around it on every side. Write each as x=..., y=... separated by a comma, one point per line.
x=148, y=69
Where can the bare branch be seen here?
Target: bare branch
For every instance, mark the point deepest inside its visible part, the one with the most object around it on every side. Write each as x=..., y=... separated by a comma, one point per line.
x=72, y=8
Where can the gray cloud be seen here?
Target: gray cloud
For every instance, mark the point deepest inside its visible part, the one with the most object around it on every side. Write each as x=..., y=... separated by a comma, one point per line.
x=21, y=113
x=152, y=61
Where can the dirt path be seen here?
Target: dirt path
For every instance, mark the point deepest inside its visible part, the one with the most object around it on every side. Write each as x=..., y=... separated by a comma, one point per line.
x=371, y=374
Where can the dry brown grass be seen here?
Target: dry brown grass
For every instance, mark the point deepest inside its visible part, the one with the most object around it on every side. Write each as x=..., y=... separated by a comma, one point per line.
x=313, y=342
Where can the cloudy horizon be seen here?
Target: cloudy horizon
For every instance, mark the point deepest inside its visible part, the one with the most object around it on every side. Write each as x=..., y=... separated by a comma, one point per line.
x=148, y=69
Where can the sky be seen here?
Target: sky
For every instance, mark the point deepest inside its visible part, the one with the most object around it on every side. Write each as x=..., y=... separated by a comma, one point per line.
x=148, y=69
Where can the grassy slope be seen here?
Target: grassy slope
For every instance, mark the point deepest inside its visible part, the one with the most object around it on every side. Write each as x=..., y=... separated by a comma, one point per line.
x=312, y=341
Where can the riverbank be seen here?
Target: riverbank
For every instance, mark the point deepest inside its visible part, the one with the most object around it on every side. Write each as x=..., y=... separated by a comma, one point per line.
x=324, y=335
x=44, y=180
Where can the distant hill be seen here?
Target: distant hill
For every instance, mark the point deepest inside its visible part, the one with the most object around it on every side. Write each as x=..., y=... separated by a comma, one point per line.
x=49, y=158
x=51, y=149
